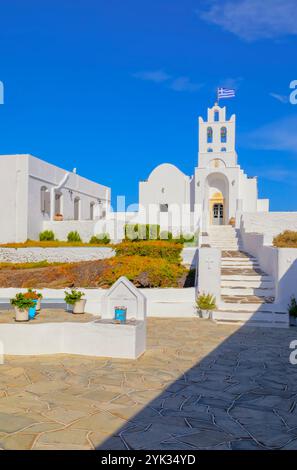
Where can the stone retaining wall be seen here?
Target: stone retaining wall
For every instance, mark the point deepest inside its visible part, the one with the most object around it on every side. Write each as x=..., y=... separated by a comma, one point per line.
x=54, y=255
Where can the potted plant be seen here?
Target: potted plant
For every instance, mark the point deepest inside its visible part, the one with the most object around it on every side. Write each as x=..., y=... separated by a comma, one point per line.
x=39, y=297
x=74, y=299
x=205, y=304
x=22, y=306
x=58, y=217
x=232, y=221
x=32, y=295
x=292, y=309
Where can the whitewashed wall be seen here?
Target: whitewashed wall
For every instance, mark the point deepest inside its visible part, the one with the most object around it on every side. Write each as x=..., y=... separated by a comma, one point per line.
x=269, y=224
x=166, y=303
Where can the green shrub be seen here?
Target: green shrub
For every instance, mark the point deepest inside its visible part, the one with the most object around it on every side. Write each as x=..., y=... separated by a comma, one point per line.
x=286, y=239
x=292, y=307
x=206, y=302
x=47, y=235
x=74, y=237
x=73, y=296
x=153, y=249
x=135, y=232
x=102, y=238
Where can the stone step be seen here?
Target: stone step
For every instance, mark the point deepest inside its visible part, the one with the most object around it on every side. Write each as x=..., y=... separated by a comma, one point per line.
x=245, y=291
x=266, y=318
x=250, y=283
x=245, y=307
x=239, y=264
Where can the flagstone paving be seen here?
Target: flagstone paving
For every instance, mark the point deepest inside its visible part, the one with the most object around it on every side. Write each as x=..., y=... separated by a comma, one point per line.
x=199, y=386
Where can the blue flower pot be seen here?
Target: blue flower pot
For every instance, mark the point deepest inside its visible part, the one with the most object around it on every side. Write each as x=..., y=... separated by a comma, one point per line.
x=120, y=314
x=32, y=310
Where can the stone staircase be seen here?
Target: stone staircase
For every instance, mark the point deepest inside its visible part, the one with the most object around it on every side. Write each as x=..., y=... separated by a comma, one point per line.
x=224, y=237
x=247, y=293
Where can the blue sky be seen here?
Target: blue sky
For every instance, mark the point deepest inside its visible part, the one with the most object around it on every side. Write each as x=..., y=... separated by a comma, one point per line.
x=115, y=87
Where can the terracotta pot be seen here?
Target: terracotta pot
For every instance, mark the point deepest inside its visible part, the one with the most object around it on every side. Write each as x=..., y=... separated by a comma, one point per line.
x=79, y=306
x=58, y=218
x=21, y=315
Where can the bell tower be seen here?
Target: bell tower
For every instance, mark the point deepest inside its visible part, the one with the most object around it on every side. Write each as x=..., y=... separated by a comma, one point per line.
x=217, y=139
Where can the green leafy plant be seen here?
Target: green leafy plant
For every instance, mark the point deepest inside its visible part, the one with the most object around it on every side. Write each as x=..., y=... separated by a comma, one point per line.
x=206, y=302
x=22, y=302
x=47, y=235
x=73, y=296
x=292, y=307
x=74, y=237
x=102, y=238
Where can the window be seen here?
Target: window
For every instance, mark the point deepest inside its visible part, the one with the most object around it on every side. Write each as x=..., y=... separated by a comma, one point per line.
x=209, y=150
x=43, y=191
x=223, y=149
x=209, y=135
x=216, y=116
x=163, y=207
x=92, y=205
x=223, y=134
x=76, y=208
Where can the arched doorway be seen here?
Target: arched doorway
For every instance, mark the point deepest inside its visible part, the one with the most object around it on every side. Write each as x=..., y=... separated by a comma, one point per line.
x=216, y=209
x=218, y=198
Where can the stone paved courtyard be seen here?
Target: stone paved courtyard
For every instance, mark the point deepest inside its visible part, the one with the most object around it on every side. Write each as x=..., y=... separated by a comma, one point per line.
x=199, y=385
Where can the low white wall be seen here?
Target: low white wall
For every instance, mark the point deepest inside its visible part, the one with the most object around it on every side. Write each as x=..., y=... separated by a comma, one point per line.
x=268, y=223
x=209, y=272
x=280, y=263
x=169, y=302
x=286, y=275
x=253, y=243
x=85, y=228
x=53, y=255
x=89, y=339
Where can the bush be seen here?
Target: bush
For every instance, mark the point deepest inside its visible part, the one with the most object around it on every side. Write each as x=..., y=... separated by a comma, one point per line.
x=74, y=237
x=206, y=302
x=292, y=307
x=143, y=272
x=135, y=232
x=47, y=235
x=102, y=238
x=153, y=249
x=286, y=239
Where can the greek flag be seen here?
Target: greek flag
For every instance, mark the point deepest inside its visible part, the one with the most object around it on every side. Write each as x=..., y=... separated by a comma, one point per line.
x=226, y=93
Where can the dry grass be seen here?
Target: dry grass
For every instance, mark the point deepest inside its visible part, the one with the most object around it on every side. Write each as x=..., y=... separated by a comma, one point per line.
x=286, y=239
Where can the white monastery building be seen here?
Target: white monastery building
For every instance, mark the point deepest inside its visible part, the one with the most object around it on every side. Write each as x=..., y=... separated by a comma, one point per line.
x=34, y=193
x=219, y=191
